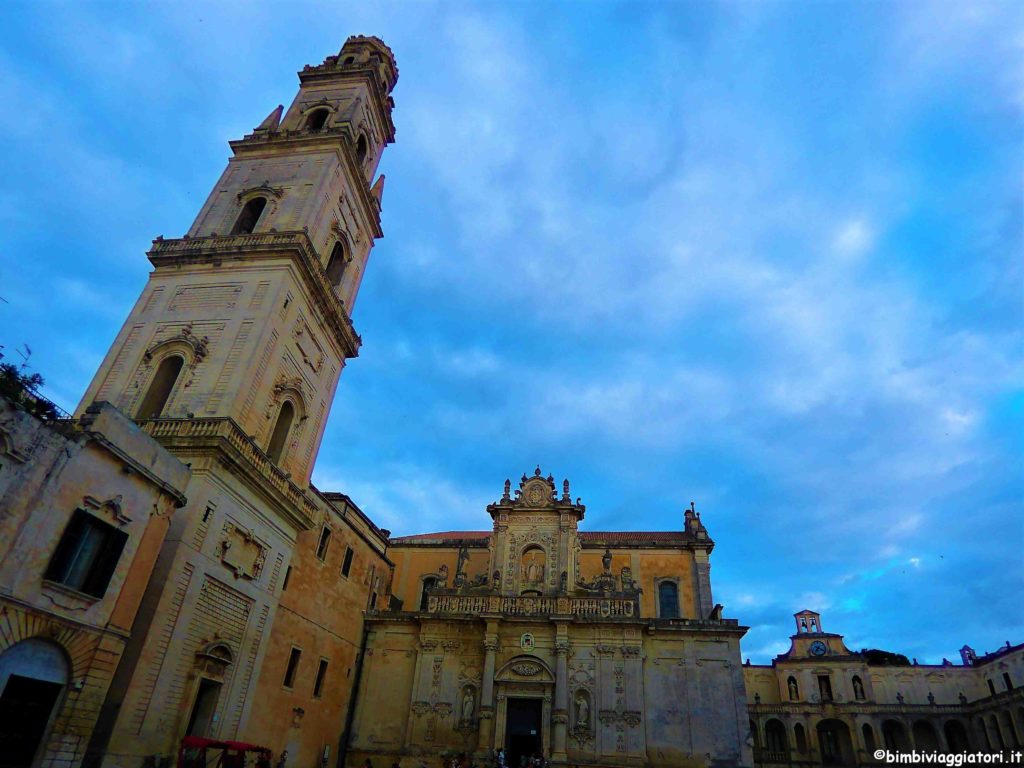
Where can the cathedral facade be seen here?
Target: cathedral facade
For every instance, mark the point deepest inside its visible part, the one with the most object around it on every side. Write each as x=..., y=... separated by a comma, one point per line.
x=536, y=637
x=174, y=588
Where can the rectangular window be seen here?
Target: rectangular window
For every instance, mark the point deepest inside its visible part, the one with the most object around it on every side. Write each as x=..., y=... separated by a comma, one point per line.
x=373, y=600
x=287, y=576
x=1007, y=681
x=346, y=566
x=321, y=673
x=991, y=686
x=825, y=687
x=293, y=666
x=87, y=554
x=321, y=547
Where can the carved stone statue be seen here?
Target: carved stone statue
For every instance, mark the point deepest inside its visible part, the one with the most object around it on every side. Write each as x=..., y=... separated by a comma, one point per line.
x=467, y=705
x=899, y=697
x=582, y=712
x=792, y=690
x=858, y=688
x=606, y=561
x=534, y=571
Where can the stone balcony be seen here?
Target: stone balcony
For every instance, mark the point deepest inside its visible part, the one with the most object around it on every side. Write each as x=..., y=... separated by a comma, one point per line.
x=216, y=249
x=224, y=436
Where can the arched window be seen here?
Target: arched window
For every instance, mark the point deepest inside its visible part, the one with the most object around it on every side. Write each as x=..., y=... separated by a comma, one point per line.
x=336, y=264
x=249, y=216
x=279, y=436
x=317, y=119
x=428, y=584
x=668, y=600
x=361, y=149
x=801, y=738
x=775, y=736
x=869, y=737
x=160, y=387
x=349, y=60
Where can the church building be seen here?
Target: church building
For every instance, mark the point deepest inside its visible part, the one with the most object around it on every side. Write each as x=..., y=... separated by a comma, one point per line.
x=537, y=637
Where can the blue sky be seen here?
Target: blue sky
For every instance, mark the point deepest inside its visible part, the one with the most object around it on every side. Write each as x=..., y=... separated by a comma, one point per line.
x=762, y=256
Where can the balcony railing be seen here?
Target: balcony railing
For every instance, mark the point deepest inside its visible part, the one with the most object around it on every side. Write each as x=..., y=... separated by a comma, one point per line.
x=225, y=434
x=626, y=607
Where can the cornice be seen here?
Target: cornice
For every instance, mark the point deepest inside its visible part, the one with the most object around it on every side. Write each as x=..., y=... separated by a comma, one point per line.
x=216, y=249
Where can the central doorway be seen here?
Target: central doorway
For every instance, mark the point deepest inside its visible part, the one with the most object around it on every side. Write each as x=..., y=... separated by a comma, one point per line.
x=25, y=709
x=523, y=734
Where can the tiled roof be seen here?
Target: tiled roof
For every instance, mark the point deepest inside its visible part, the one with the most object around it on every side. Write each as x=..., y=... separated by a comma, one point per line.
x=611, y=537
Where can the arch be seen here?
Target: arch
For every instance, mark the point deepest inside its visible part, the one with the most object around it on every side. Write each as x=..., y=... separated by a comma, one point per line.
x=835, y=743
x=336, y=264
x=250, y=216
x=925, y=737
x=858, y=688
x=34, y=676
x=1010, y=730
x=983, y=730
x=957, y=739
x=524, y=669
x=160, y=387
x=279, y=437
x=775, y=736
x=755, y=734
x=998, y=741
x=800, y=735
x=362, y=149
x=532, y=567
x=668, y=599
x=428, y=583
x=793, y=687
x=894, y=736
x=869, y=737
x=317, y=118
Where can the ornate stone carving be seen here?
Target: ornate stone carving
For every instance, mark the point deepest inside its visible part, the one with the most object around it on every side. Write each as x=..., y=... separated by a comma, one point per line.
x=241, y=552
x=420, y=707
x=526, y=669
x=631, y=718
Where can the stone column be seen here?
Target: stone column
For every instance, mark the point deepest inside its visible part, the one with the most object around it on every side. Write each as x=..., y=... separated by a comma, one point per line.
x=560, y=717
x=484, y=743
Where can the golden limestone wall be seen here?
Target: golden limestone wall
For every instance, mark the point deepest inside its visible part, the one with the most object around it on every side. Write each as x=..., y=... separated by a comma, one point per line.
x=104, y=468
x=820, y=701
x=666, y=697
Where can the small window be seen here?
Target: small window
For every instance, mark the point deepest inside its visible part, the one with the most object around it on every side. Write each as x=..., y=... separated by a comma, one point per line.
x=361, y=149
x=160, y=388
x=250, y=216
x=668, y=600
x=325, y=540
x=317, y=119
x=336, y=264
x=321, y=673
x=279, y=437
x=87, y=554
x=991, y=686
x=287, y=576
x=349, y=60
x=373, y=600
x=346, y=566
x=293, y=667
x=1007, y=682
x=428, y=584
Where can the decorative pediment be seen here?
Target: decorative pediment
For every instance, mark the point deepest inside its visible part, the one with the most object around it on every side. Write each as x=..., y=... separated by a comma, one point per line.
x=536, y=493
x=197, y=347
x=110, y=507
x=525, y=669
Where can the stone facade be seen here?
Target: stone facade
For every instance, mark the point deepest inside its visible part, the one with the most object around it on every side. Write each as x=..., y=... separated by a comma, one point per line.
x=588, y=647
x=823, y=704
x=84, y=508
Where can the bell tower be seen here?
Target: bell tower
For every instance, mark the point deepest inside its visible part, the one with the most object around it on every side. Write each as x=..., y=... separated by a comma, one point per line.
x=245, y=324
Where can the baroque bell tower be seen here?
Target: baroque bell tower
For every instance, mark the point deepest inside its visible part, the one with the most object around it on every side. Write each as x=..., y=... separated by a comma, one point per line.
x=247, y=317
x=230, y=359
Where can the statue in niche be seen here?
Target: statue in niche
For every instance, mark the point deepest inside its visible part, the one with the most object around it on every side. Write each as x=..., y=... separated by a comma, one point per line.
x=606, y=561
x=582, y=712
x=858, y=688
x=792, y=689
x=467, y=705
x=533, y=571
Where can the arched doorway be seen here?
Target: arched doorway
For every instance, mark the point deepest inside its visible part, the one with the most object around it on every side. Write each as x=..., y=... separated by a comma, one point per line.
x=894, y=735
x=836, y=745
x=33, y=678
x=924, y=737
x=776, y=744
x=956, y=736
